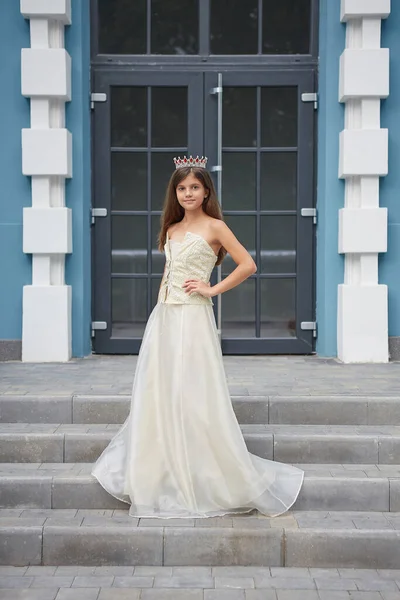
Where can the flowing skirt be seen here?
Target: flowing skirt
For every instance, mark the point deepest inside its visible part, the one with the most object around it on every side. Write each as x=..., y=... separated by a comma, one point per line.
x=180, y=452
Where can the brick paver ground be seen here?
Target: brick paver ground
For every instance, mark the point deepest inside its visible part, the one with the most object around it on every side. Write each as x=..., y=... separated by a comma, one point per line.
x=197, y=583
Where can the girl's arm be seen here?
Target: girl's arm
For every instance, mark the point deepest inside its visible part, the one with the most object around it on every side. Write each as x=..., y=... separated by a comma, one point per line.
x=245, y=264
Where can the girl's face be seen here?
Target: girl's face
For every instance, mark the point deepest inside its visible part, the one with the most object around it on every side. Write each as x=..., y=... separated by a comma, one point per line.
x=190, y=193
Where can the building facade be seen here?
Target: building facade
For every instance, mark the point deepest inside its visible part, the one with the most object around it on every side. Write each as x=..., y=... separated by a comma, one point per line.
x=296, y=106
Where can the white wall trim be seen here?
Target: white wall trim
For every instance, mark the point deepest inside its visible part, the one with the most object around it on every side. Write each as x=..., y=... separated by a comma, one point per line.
x=362, y=324
x=47, y=159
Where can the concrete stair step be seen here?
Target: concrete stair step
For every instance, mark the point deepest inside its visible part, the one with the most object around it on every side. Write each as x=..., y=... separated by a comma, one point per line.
x=313, y=410
x=378, y=444
x=326, y=487
x=298, y=539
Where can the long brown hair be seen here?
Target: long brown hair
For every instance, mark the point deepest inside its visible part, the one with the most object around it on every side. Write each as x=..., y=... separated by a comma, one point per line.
x=173, y=211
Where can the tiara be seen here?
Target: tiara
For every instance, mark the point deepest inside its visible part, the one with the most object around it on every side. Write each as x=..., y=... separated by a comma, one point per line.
x=190, y=162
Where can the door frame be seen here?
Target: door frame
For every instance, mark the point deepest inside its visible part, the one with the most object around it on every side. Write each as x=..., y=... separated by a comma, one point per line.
x=201, y=143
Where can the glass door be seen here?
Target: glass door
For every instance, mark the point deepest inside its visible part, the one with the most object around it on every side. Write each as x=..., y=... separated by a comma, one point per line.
x=266, y=178
x=145, y=120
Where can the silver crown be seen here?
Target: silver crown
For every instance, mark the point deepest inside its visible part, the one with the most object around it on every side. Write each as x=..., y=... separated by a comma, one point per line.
x=190, y=162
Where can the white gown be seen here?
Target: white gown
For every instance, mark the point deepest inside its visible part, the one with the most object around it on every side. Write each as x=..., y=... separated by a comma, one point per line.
x=180, y=452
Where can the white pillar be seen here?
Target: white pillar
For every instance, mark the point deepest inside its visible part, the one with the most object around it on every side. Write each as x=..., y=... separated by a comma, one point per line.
x=363, y=159
x=47, y=159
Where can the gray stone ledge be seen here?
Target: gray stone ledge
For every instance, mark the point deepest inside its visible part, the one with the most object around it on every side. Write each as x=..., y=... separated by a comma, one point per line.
x=10, y=350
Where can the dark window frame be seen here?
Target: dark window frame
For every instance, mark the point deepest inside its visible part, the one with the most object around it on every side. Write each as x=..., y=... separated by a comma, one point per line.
x=204, y=43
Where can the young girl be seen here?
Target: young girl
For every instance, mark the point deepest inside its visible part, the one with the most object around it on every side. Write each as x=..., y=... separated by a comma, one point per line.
x=180, y=452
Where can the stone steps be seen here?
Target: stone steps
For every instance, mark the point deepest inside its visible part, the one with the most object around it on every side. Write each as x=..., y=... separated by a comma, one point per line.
x=296, y=410
x=378, y=444
x=333, y=489
x=299, y=539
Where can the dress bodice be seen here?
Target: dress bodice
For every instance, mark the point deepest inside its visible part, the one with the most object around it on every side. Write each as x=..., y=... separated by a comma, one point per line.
x=193, y=258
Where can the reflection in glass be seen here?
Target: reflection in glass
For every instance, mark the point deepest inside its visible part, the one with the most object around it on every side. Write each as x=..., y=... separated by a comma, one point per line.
x=122, y=26
x=278, y=181
x=244, y=228
x=158, y=258
x=278, y=244
x=129, y=117
x=286, y=26
x=234, y=27
x=162, y=167
x=155, y=288
x=278, y=116
x=239, y=121
x=129, y=307
x=169, y=116
x=129, y=181
x=239, y=180
x=239, y=311
x=278, y=308
x=129, y=244
x=174, y=27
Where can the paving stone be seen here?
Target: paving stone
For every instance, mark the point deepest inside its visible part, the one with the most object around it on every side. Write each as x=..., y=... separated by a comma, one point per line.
x=260, y=595
x=224, y=595
x=335, y=583
x=116, y=571
x=389, y=573
x=240, y=571
x=183, y=582
x=205, y=572
x=349, y=573
x=15, y=582
x=133, y=582
x=376, y=585
x=152, y=571
x=164, y=594
x=234, y=582
x=82, y=581
x=289, y=572
x=320, y=572
x=78, y=594
x=52, y=582
x=40, y=571
x=13, y=571
x=119, y=594
x=75, y=570
x=289, y=583
x=28, y=594
x=297, y=595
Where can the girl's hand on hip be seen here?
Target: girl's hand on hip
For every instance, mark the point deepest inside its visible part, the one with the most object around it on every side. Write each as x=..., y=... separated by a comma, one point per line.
x=197, y=286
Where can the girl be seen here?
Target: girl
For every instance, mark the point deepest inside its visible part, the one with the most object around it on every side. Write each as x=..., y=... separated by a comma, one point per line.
x=180, y=452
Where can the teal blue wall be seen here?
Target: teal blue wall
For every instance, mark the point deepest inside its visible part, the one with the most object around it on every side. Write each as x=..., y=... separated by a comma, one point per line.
x=389, y=264
x=78, y=189
x=15, y=266
x=330, y=190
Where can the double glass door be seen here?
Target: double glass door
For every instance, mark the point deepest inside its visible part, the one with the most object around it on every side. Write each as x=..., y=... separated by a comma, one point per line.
x=259, y=138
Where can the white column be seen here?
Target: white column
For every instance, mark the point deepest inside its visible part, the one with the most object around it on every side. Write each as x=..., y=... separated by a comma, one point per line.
x=47, y=159
x=363, y=159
